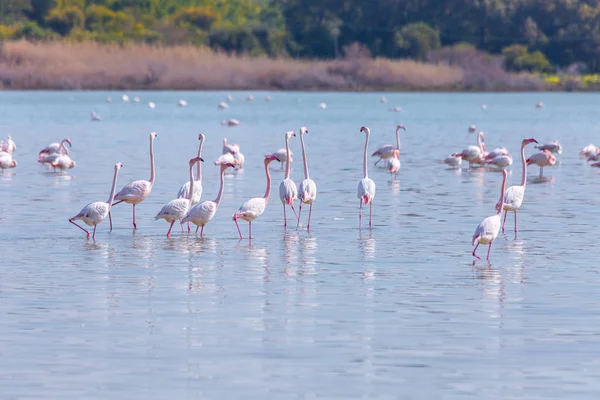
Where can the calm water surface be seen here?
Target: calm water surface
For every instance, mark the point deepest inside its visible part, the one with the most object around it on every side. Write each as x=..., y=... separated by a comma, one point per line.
x=400, y=311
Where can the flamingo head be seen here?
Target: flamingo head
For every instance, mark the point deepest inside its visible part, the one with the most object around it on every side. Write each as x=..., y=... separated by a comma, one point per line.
x=201, y=137
x=195, y=160
x=118, y=165
x=153, y=135
x=290, y=134
x=224, y=166
x=303, y=130
x=67, y=140
x=400, y=127
x=529, y=140
x=271, y=157
x=365, y=129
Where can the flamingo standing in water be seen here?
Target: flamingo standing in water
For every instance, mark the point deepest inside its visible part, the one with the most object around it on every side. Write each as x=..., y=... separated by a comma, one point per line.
x=202, y=213
x=544, y=159
x=501, y=162
x=282, y=155
x=94, y=213
x=452, y=160
x=288, y=193
x=8, y=146
x=513, y=197
x=553, y=147
x=386, y=151
x=60, y=161
x=474, y=154
x=254, y=208
x=53, y=148
x=589, y=150
x=488, y=229
x=137, y=191
x=178, y=208
x=393, y=164
x=307, y=191
x=366, y=186
x=185, y=188
x=6, y=161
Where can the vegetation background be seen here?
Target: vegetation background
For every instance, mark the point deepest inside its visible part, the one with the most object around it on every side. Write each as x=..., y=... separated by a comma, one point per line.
x=301, y=44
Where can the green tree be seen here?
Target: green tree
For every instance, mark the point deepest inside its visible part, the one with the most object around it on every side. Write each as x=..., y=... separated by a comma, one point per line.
x=64, y=20
x=416, y=40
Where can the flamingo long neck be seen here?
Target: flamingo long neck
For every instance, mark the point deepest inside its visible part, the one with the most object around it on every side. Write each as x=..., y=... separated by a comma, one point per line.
x=152, y=160
x=398, y=138
x=62, y=146
x=191, y=192
x=199, y=165
x=365, y=172
x=113, y=189
x=220, y=194
x=499, y=213
x=268, y=191
x=524, y=176
x=287, y=154
x=480, y=143
x=304, y=157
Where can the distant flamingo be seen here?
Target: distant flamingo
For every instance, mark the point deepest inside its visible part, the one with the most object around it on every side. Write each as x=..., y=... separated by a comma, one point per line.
x=553, y=147
x=61, y=161
x=543, y=159
x=7, y=161
x=307, y=191
x=452, y=160
x=366, y=186
x=95, y=117
x=501, y=161
x=488, y=229
x=185, y=188
x=230, y=147
x=281, y=154
x=230, y=122
x=137, y=191
x=53, y=148
x=472, y=129
x=514, y=195
x=94, y=213
x=202, y=213
x=499, y=151
x=288, y=193
x=474, y=154
x=178, y=208
x=9, y=146
x=589, y=150
x=254, y=207
x=387, y=150
x=393, y=164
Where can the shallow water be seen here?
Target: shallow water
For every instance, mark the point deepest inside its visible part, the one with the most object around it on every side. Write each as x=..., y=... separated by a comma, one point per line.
x=399, y=311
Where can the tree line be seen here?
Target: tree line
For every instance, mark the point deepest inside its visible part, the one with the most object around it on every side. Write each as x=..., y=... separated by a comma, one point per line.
x=531, y=35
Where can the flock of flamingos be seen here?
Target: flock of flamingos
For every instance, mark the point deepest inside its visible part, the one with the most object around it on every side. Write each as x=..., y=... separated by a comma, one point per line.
x=187, y=207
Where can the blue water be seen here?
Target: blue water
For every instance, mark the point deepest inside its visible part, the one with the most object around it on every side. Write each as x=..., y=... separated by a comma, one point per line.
x=399, y=311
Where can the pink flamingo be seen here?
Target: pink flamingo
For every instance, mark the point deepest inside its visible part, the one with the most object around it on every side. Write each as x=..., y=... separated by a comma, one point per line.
x=254, y=208
x=185, y=188
x=514, y=195
x=488, y=229
x=55, y=148
x=597, y=164
x=474, y=154
x=500, y=151
x=137, y=191
x=452, y=160
x=6, y=161
x=288, y=193
x=366, y=186
x=178, y=208
x=230, y=148
x=589, y=150
x=94, y=213
x=8, y=146
x=393, y=164
x=387, y=150
x=307, y=191
x=543, y=159
x=501, y=162
x=202, y=213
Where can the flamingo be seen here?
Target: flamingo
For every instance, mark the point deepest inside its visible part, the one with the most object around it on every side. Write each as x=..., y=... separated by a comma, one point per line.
x=95, y=117
x=281, y=154
x=137, y=191
x=501, y=161
x=393, y=164
x=230, y=147
x=472, y=129
x=499, y=151
x=589, y=150
x=254, y=207
x=239, y=160
x=7, y=161
x=185, y=188
x=9, y=146
x=553, y=147
x=222, y=105
x=597, y=164
x=452, y=160
x=366, y=186
x=151, y=105
x=386, y=151
x=288, y=193
x=182, y=103
x=178, y=208
x=53, y=148
x=94, y=213
x=473, y=154
x=307, y=191
x=226, y=158
x=60, y=161
x=488, y=229
x=230, y=122
x=544, y=159
x=202, y=213
x=513, y=197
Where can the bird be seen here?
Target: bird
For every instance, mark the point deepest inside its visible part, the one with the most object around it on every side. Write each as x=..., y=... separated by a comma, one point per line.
x=499, y=151
x=109, y=99
x=178, y=208
x=543, y=159
x=487, y=230
x=281, y=154
x=96, y=212
x=288, y=192
x=387, y=150
x=225, y=158
x=366, y=186
x=502, y=161
x=202, y=213
x=137, y=191
x=125, y=98
x=452, y=160
x=230, y=122
x=95, y=117
x=222, y=105
x=307, y=191
x=589, y=150
x=395, y=109
x=7, y=161
x=474, y=154
x=323, y=105
x=472, y=129
x=182, y=103
x=484, y=107
x=254, y=207
x=185, y=188
x=60, y=161
x=8, y=146
x=539, y=105
x=151, y=105
x=393, y=163
x=250, y=98
x=513, y=197
x=383, y=100
x=136, y=99
x=552, y=147
x=230, y=147
x=53, y=148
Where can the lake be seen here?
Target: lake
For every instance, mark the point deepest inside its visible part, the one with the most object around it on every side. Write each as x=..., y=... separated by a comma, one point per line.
x=399, y=311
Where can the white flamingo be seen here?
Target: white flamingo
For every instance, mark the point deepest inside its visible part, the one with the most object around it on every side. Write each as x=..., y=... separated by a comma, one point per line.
x=514, y=195
x=392, y=164
x=9, y=146
x=474, y=154
x=96, y=212
x=95, y=117
x=7, y=161
x=499, y=151
x=178, y=208
x=254, y=207
x=281, y=154
x=452, y=160
x=487, y=230
x=137, y=191
x=202, y=213
x=553, y=147
x=307, y=191
x=231, y=122
x=288, y=192
x=366, y=186
x=230, y=147
x=502, y=161
x=387, y=150
x=185, y=188
x=53, y=148
x=60, y=161
x=589, y=150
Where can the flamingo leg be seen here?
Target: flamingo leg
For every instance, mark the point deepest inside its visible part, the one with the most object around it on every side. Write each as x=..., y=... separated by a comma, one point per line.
x=182, y=231
x=94, y=233
x=238, y=227
x=80, y=227
x=370, y=214
x=134, y=224
x=474, y=250
x=504, y=223
x=489, y=249
x=299, y=213
x=541, y=172
x=202, y=231
x=114, y=204
x=516, y=230
x=110, y=221
x=293, y=209
x=198, y=227
x=360, y=215
x=170, y=227
x=284, y=217
x=378, y=160
x=249, y=230
x=309, y=213
x=189, y=229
